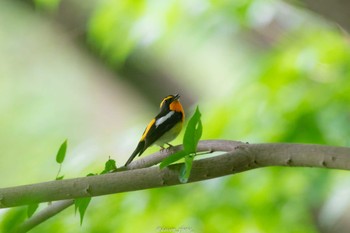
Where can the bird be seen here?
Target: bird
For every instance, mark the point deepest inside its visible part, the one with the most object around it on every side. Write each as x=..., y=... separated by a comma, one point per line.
x=163, y=128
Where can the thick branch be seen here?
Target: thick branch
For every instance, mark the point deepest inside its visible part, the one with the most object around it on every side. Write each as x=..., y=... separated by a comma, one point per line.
x=241, y=157
x=144, y=162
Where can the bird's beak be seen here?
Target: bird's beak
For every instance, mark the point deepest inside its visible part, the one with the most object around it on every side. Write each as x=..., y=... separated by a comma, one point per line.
x=176, y=97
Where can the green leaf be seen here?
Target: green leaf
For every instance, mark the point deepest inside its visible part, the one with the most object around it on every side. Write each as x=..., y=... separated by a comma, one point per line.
x=12, y=219
x=61, y=152
x=185, y=170
x=172, y=158
x=81, y=204
x=193, y=132
x=191, y=138
x=109, y=166
x=59, y=178
x=31, y=209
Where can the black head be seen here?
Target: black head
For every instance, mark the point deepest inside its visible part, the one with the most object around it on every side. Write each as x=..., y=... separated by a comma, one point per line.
x=168, y=100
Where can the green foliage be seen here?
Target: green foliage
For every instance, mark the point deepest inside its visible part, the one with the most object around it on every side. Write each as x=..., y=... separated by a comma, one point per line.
x=81, y=204
x=192, y=135
x=47, y=5
x=59, y=177
x=61, y=153
x=185, y=170
x=109, y=166
x=109, y=16
x=172, y=158
x=31, y=209
x=259, y=77
x=191, y=138
x=12, y=219
x=193, y=132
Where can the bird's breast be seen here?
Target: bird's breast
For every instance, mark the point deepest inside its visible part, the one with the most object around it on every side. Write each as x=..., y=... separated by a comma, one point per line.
x=169, y=135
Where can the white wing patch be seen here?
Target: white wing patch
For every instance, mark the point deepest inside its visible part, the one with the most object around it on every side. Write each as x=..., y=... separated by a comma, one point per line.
x=164, y=118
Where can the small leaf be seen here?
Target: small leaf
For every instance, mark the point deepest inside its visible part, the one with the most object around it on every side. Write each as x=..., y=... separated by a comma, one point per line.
x=193, y=132
x=109, y=166
x=59, y=178
x=61, y=152
x=81, y=204
x=31, y=209
x=172, y=158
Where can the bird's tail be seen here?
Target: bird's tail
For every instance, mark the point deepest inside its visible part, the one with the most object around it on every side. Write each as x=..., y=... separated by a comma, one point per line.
x=139, y=149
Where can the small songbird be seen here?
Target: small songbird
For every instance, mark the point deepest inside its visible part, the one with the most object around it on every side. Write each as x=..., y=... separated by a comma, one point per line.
x=163, y=128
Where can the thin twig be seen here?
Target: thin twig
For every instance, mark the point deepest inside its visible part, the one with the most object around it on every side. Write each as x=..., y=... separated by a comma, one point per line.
x=43, y=215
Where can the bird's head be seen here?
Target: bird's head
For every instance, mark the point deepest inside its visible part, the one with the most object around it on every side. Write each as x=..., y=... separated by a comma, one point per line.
x=171, y=102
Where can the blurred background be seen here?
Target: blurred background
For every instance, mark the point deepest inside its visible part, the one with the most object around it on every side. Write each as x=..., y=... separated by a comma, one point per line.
x=94, y=72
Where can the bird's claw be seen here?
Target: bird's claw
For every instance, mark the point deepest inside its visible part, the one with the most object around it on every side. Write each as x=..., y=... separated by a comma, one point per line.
x=163, y=149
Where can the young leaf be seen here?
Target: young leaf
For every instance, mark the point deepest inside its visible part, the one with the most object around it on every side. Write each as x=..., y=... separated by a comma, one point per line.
x=81, y=204
x=31, y=209
x=109, y=166
x=172, y=158
x=192, y=135
x=61, y=152
x=193, y=132
x=59, y=177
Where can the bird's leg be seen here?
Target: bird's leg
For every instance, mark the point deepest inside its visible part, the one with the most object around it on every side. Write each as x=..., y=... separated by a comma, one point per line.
x=162, y=148
x=166, y=149
x=169, y=145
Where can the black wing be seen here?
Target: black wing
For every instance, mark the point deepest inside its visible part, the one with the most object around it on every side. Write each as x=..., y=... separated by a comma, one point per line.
x=156, y=131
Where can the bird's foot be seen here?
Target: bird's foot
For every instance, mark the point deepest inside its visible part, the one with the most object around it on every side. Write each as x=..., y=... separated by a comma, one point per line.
x=166, y=149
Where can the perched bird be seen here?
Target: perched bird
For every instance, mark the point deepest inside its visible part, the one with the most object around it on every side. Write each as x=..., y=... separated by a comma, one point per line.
x=163, y=128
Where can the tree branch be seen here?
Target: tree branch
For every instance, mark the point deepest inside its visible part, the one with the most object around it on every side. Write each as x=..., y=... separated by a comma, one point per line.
x=335, y=10
x=43, y=215
x=147, y=161
x=238, y=157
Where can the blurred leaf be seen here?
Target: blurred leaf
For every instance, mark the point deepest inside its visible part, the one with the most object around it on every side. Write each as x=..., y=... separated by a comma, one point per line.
x=81, y=204
x=48, y=5
x=193, y=132
x=109, y=166
x=119, y=17
x=12, y=219
x=61, y=152
x=31, y=209
x=172, y=158
x=59, y=178
x=185, y=170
